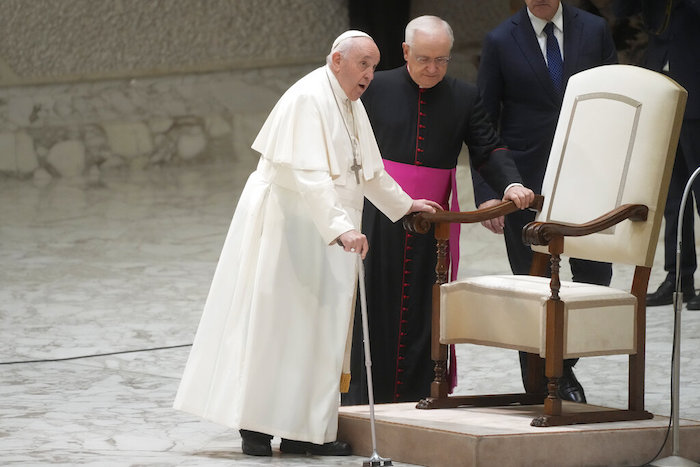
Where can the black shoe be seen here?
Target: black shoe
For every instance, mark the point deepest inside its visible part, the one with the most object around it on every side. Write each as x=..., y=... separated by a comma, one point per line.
x=693, y=303
x=664, y=294
x=569, y=387
x=255, y=443
x=334, y=448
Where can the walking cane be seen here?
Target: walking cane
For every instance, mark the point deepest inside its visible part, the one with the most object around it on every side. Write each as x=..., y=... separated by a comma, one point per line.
x=375, y=460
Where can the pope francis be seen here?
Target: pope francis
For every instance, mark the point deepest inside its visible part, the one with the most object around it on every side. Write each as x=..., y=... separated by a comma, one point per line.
x=268, y=354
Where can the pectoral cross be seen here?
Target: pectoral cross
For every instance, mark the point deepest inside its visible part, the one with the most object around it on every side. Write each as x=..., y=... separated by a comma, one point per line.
x=355, y=167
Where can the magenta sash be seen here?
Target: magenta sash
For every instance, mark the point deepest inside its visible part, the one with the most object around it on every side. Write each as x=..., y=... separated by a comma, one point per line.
x=433, y=184
x=436, y=185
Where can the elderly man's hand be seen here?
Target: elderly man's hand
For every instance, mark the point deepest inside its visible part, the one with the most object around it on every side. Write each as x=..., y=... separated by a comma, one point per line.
x=353, y=241
x=521, y=196
x=424, y=205
x=496, y=224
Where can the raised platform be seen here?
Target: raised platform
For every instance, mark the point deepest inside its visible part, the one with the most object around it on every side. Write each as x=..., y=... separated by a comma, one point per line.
x=502, y=436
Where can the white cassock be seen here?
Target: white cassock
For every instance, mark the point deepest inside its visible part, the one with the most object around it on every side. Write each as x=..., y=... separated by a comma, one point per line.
x=269, y=349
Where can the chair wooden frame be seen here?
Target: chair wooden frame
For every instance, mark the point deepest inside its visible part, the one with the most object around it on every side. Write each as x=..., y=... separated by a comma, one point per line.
x=553, y=235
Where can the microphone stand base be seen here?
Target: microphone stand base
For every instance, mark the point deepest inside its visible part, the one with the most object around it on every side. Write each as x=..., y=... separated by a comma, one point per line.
x=674, y=461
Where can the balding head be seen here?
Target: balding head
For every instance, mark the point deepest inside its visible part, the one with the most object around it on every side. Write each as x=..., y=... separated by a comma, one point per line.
x=429, y=26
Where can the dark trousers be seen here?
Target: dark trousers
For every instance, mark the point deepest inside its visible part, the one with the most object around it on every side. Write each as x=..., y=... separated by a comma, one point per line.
x=687, y=160
x=520, y=258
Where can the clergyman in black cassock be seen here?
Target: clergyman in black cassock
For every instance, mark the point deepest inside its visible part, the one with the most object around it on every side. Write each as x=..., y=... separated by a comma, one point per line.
x=421, y=119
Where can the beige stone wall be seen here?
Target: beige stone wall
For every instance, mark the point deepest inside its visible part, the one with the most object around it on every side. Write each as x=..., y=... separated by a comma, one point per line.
x=81, y=129
x=49, y=41
x=94, y=85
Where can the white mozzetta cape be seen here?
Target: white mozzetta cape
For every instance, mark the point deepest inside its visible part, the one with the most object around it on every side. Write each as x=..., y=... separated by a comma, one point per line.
x=269, y=349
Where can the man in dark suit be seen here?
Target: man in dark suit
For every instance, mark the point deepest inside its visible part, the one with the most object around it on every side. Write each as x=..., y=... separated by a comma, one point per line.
x=674, y=49
x=525, y=64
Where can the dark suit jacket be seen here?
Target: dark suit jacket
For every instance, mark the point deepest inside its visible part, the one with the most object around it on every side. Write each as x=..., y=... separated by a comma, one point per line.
x=518, y=92
x=678, y=44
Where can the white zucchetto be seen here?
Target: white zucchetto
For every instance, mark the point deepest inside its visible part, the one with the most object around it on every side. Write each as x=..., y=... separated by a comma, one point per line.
x=348, y=35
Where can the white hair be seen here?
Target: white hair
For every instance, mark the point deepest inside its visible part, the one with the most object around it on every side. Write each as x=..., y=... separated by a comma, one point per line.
x=429, y=25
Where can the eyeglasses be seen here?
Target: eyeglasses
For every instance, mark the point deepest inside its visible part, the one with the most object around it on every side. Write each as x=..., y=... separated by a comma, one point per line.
x=438, y=61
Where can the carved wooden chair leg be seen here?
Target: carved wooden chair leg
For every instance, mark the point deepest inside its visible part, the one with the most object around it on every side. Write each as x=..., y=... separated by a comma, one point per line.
x=439, y=388
x=554, y=348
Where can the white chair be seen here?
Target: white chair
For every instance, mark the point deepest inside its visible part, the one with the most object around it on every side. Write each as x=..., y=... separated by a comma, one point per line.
x=604, y=193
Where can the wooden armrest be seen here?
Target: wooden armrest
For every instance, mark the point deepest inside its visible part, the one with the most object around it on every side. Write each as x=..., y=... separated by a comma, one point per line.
x=419, y=222
x=542, y=233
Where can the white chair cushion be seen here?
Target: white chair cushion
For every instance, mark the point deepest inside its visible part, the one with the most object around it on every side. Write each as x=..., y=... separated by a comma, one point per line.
x=509, y=312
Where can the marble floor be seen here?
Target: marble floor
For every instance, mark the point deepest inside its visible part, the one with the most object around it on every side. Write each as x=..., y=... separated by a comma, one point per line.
x=102, y=286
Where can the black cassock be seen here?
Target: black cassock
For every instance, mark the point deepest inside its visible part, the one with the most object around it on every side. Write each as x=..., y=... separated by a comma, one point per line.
x=424, y=128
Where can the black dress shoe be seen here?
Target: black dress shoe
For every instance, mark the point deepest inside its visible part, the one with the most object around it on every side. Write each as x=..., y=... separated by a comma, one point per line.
x=664, y=294
x=569, y=387
x=693, y=303
x=255, y=443
x=334, y=448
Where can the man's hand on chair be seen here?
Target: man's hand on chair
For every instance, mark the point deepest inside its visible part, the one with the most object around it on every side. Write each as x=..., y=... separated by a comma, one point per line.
x=496, y=224
x=521, y=196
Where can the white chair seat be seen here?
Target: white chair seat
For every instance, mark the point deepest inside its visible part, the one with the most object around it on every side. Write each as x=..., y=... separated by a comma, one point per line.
x=509, y=311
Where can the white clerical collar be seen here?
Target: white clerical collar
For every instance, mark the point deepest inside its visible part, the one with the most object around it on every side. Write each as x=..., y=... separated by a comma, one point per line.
x=538, y=24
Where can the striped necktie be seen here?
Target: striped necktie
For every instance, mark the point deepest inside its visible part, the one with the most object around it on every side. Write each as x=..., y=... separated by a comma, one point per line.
x=554, y=62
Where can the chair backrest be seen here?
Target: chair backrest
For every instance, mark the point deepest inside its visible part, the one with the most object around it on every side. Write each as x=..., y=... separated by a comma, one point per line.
x=615, y=144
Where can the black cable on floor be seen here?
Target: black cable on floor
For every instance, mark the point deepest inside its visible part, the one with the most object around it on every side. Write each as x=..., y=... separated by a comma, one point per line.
x=49, y=360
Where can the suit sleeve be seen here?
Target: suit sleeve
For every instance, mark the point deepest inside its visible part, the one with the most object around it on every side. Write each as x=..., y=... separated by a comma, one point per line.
x=490, y=80
x=609, y=52
x=491, y=163
x=490, y=84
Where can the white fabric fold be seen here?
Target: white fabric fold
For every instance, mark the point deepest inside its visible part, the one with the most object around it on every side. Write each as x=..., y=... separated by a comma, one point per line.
x=268, y=353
